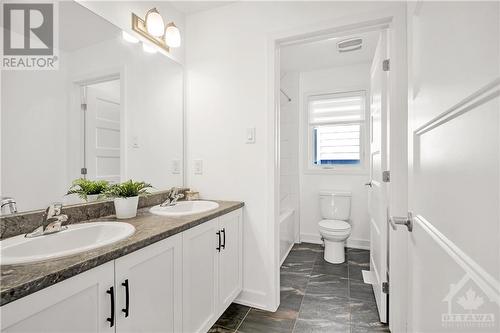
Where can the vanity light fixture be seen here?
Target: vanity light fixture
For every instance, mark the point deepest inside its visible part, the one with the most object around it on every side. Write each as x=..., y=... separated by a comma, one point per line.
x=153, y=28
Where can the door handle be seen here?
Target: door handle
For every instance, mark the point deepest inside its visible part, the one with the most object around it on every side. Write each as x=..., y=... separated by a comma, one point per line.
x=219, y=246
x=111, y=319
x=394, y=221
x=370, y=184
x=223, y=231
x=127, y=298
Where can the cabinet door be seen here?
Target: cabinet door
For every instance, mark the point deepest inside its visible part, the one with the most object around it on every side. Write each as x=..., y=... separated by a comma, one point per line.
x=153, y=277
x=200, y=277
x=78, y=304
x=230, y=260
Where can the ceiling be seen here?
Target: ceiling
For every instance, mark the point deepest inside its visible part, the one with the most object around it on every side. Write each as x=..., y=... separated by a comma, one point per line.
x=190, y=7
x=323, y=53
x=79, y=27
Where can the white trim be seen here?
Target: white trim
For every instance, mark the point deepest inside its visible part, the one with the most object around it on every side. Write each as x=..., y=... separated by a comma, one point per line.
x=471, y=102
x=254, y=299
x=362, y=244
x=478, y=274
x=286, y=254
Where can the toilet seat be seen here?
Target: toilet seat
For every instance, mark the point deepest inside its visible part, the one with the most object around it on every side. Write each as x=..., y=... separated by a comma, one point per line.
x=334, y=225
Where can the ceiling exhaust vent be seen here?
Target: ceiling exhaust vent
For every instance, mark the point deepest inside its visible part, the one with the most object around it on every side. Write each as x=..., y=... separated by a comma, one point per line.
x=348, y=45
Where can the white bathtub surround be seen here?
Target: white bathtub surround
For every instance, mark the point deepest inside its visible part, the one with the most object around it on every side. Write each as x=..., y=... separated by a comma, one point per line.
x=289, y=163
x=126, y=207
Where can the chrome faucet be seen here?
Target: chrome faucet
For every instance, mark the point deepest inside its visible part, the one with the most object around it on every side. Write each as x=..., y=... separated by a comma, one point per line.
x=52, y=221
x=173, y=196
x=8, y=205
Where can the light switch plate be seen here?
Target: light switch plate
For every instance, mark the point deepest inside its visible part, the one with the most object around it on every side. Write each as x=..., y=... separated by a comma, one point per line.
x=250, y=135
x=198, y=167
x=135, y=141
x=176, y=167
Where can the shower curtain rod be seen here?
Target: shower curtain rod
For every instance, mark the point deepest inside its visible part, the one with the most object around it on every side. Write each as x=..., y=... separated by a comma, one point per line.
x=284, y=93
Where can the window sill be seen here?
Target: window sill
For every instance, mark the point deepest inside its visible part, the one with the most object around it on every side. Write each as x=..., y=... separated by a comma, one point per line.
x=336, y=171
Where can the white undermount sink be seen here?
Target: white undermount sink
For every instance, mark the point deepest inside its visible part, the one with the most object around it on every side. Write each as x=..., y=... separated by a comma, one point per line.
x=183, y=208
x=75, y=239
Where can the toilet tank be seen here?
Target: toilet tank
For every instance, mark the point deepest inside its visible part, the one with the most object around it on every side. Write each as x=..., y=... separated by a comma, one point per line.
x=335, y=205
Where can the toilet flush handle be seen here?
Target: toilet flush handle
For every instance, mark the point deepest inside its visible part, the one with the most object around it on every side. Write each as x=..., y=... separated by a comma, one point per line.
x=369, y=184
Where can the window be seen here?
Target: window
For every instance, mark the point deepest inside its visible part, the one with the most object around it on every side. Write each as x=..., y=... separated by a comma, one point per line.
x=336, y=123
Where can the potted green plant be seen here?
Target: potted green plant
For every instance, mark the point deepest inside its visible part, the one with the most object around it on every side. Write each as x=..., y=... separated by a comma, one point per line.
x=126, y=197
x=88, y=190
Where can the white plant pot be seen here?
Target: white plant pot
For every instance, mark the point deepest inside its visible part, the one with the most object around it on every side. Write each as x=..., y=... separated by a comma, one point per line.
x=126, y=207
x=92, y=197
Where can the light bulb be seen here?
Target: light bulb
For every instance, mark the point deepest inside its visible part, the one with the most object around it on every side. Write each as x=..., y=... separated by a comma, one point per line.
x=172, y=35
x=149, y=48
x=129, y=38
x=154, y=23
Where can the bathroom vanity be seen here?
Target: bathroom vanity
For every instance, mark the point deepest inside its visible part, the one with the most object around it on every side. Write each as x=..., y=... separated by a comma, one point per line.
x=173, y=274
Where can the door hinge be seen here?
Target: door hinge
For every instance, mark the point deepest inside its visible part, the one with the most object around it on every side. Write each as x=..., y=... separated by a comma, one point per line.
x=83, y=171
x=386, y=176
x=386, y=65
x=385, y=287
x=84, y=106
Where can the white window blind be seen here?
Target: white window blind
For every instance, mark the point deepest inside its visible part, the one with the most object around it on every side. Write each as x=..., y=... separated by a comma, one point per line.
x=336, y=122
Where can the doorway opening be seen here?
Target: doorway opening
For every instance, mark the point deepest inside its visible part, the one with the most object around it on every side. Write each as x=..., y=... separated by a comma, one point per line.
x=340, y=121
x=101, y=130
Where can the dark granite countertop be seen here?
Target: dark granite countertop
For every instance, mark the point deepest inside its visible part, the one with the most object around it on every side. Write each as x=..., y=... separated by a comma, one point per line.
x=21, y=280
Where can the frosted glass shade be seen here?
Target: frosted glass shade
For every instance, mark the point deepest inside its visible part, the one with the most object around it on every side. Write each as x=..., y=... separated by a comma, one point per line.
x=172, y=36
x=154, y=23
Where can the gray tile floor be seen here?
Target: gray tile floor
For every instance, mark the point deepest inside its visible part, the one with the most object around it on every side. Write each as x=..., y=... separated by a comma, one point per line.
x=316, y=296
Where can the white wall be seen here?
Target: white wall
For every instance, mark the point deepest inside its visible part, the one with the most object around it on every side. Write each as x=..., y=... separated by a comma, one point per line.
x=120, y=14
x=34, y=149
x=227, y=57
x=337, y=79
x=289, y=162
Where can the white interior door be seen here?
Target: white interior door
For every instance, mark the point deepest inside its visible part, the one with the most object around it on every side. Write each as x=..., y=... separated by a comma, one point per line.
x=378, y=164
x=454, y=176
x=102, y=131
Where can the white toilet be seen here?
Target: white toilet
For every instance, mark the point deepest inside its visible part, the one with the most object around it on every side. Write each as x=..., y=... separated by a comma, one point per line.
x=334, y=228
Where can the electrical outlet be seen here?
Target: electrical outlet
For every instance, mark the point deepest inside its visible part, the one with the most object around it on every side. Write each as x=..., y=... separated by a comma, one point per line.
x=176, y=167
x=198, y=167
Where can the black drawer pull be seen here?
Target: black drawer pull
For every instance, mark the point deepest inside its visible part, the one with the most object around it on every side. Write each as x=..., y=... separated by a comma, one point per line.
x=223, y=238
x=127, y=298
x=219, y=246
x=111, y=319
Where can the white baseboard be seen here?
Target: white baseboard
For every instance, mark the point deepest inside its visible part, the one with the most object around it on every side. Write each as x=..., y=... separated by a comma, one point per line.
x=353, y=243
x=286, y=254
x=254, y=299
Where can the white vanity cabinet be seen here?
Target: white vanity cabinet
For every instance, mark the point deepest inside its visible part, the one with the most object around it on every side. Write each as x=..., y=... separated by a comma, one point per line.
x=180, y=284
x=149, y=288
x=79, y=304
x=212, y=270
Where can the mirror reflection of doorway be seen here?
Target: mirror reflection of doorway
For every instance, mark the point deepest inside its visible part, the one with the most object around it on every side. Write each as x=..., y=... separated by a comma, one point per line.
x=101, y=131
